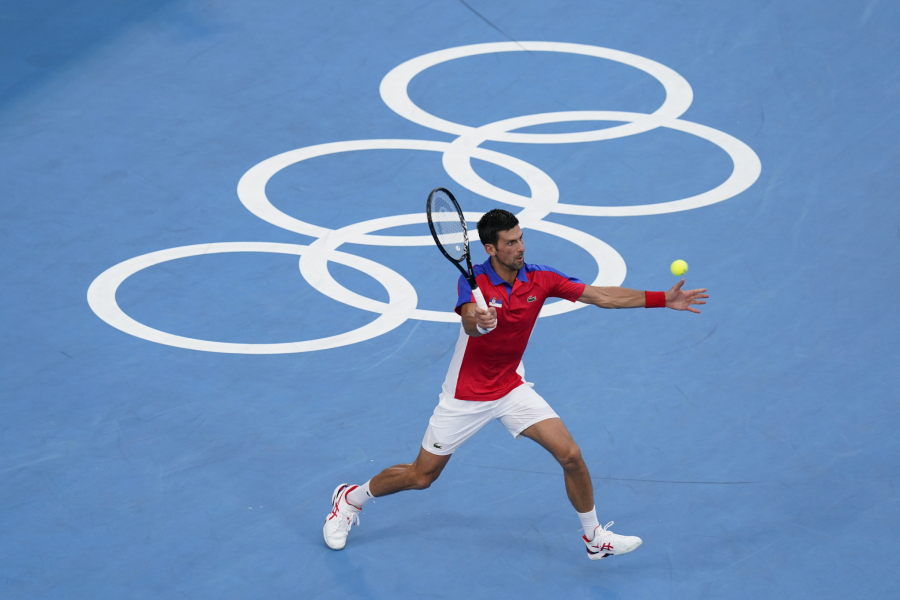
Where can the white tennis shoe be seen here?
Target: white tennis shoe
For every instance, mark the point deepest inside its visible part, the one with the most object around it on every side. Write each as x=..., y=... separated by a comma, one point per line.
x=606, y=543
x=341, y=518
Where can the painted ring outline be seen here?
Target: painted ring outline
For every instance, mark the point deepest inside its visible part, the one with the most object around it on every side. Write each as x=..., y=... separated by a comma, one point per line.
x=251, y=188
x=102, y=300
x=545, y=194
x=747, y=166
x=394, y=90
x=611, y=268
x=680, y=99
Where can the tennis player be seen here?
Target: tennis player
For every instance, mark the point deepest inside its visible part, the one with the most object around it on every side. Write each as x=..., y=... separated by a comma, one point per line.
x=486, y=381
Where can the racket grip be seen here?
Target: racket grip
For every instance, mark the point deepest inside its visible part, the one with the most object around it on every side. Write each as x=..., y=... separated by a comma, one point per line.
x=479, y=301
x=479, y=298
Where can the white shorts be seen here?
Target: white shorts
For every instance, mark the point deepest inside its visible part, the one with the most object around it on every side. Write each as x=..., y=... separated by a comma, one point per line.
x=454, y=421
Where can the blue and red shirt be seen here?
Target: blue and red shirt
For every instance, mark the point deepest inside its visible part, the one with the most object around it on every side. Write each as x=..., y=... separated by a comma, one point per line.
x=490, y=366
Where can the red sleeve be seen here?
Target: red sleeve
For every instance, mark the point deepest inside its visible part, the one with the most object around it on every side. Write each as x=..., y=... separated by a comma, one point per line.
x=559, y=284
x=569, y=290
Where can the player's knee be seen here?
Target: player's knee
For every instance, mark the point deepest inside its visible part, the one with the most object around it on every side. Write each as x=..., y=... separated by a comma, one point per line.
x=422, y=481
x=570, y=458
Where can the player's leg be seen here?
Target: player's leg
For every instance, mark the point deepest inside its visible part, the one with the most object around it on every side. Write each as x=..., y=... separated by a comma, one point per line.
x=525, y=413
x=553, y=436
x=556, y=439
x=453, y=422
x=416, y=476
x=348, y=500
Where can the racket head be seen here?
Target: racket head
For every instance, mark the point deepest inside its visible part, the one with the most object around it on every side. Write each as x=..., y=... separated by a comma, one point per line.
x=448, y=225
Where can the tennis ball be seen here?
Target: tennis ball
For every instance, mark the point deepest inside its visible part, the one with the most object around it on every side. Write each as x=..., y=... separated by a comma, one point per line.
x=679, y=267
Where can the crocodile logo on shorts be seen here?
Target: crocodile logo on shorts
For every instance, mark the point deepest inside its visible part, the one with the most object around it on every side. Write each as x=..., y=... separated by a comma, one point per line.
x=438, y=447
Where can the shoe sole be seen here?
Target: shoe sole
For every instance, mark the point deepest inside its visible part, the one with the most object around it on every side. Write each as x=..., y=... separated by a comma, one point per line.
x=597, y=556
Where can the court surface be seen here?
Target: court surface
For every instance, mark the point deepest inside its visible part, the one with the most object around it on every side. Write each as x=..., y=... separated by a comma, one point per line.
x=238, y=190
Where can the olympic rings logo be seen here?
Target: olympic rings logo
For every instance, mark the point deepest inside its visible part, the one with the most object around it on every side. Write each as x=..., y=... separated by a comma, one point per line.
x=456, y=158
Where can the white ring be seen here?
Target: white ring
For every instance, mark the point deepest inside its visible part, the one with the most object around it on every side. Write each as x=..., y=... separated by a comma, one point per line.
x=457, y=157
x=101, y=297
x=611, y=267
x=252, y=187
x=457, y=163
x=395, y=93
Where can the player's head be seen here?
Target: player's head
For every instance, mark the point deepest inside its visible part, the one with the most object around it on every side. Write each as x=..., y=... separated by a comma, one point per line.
x=502, y=238
x=493, y=222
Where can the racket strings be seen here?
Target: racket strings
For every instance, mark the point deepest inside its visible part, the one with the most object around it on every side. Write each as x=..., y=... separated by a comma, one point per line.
x=449, y=227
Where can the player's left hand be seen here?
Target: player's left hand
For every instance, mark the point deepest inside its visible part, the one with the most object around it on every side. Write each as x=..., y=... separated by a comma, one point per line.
x=679, y=299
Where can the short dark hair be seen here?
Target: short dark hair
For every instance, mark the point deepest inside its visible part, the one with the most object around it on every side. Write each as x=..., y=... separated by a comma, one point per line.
x=493, y=222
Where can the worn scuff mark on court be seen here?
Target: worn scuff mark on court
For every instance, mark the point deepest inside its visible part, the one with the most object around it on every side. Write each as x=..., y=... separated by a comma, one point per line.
x=708, y=335
x=400, y=347
x=485, y=19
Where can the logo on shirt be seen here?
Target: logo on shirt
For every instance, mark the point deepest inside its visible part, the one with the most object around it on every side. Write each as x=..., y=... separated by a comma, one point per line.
x=532, y=298
x=495, y=303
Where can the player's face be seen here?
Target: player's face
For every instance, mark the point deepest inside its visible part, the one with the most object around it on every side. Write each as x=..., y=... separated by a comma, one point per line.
x=510, y=249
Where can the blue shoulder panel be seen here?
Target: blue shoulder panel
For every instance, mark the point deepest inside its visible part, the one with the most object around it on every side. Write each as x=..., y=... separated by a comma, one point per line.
x=529, y=268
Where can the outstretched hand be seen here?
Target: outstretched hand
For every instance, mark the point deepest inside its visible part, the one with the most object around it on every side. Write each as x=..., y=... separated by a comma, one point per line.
x=679, y=299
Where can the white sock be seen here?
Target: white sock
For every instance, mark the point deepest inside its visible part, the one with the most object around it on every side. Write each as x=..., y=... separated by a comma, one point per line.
x=589, y=522
x=361, y=495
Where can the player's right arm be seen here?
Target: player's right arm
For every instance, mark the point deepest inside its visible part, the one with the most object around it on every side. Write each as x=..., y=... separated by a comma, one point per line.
x=472, y=317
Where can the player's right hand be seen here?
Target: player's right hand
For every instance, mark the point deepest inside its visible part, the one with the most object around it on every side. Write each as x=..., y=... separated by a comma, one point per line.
x=486, y=319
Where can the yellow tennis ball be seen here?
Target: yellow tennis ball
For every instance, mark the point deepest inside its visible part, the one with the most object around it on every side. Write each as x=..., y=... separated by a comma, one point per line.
x=679, y=267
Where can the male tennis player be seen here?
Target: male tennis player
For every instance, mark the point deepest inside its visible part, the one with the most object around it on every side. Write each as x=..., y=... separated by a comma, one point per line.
x=486, y=381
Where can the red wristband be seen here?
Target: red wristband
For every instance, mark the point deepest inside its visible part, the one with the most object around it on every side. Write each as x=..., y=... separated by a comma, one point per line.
x=654, y=299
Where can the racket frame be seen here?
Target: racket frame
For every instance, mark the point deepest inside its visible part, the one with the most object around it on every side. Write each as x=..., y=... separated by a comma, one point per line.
x=467, y=271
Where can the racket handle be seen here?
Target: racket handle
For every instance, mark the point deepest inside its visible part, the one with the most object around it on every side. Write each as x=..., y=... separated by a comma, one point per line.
x=479, y=298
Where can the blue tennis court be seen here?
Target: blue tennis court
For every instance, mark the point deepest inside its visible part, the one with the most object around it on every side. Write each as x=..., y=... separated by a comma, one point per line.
x=221, y=298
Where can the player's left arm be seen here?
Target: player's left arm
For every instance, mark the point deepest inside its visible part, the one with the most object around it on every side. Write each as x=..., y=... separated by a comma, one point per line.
x=619, y=297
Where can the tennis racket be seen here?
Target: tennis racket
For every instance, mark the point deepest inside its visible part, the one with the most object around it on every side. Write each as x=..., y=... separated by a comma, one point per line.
x=448, y=227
